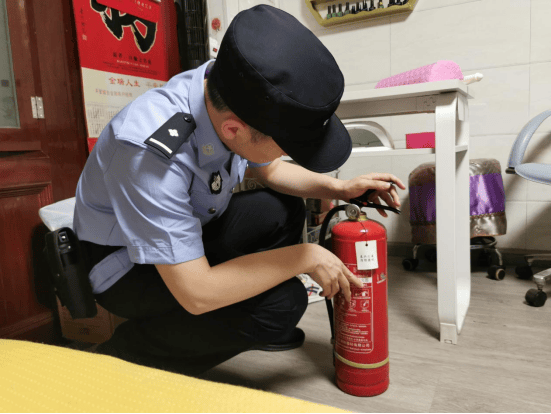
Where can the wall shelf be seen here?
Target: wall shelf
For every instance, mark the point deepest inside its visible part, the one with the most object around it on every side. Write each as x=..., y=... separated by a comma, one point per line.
x=315, y=5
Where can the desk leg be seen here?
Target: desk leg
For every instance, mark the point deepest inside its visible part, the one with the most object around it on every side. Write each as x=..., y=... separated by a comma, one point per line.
x=452, y=215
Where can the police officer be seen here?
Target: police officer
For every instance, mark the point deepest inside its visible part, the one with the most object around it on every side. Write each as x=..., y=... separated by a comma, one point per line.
x=203, y=275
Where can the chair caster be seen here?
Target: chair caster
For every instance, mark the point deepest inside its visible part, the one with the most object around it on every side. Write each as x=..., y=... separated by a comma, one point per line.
x=524, y=272
x=496, y=272
x=410, y=264
x=430, y=255
x=536, y=297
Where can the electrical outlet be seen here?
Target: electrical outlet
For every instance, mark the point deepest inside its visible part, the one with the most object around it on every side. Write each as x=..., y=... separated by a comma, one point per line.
x=426, y=103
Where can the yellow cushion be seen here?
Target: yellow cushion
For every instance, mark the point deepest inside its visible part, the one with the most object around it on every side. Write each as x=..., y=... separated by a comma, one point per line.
x=45, y=378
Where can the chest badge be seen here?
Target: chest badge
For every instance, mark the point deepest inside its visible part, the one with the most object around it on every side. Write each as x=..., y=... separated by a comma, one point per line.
x=208, y=149
x=215, y=183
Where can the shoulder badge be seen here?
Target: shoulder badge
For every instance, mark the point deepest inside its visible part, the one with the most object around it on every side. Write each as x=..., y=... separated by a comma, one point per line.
x=172, y=134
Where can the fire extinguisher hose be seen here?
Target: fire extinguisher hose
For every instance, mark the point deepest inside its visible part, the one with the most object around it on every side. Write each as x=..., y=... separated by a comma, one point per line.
x=323, y=232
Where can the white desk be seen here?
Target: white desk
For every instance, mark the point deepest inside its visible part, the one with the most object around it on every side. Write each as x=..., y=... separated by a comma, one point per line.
x=449, y=101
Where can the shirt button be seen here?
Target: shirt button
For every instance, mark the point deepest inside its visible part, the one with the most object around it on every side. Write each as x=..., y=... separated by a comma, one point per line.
x=212, y=210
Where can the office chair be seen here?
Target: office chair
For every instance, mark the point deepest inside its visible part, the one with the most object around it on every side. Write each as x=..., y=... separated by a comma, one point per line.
x=539, y=173
x=487, y=213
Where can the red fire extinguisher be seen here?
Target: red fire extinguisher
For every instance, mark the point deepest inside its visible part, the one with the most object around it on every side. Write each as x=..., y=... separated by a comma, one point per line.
x=359, y=329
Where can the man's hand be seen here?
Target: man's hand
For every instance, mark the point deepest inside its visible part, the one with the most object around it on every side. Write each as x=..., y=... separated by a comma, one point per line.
x=382, y=182
x=331, y=273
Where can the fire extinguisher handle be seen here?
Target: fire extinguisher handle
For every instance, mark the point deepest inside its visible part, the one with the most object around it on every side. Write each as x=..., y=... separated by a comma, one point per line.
x=363, y=197
x=362, y=201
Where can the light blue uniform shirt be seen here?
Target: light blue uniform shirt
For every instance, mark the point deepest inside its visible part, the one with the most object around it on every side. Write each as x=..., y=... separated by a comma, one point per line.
x=129, y=195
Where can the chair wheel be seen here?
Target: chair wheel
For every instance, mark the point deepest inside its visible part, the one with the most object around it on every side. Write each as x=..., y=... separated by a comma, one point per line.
x=430, y=255
x=496, y=272
x=524, y=272
x=410, y=264
x=536, y=297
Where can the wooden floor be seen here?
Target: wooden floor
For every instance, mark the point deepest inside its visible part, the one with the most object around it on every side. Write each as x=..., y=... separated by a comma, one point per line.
x=501, y=363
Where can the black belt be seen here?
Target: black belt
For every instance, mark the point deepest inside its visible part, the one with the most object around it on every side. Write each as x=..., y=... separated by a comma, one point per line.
x=97, y=252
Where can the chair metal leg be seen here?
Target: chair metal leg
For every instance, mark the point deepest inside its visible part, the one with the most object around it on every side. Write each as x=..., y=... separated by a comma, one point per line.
x=542, y=277
x=415, y=248
x=499, y=256
x=537, y=297
x=530, y=258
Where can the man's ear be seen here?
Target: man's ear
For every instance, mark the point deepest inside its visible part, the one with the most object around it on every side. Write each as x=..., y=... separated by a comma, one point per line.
x=232, y=127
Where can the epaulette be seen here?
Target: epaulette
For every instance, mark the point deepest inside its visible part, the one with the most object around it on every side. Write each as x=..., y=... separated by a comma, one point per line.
x=172, y=134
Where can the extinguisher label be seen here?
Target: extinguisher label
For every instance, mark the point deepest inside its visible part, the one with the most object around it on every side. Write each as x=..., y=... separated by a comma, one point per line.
x=354, y=321
x=366, y=255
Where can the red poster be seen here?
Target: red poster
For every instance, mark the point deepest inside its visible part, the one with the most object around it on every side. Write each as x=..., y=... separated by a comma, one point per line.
x=123, y=42
x=123, y=47
x=145, y=9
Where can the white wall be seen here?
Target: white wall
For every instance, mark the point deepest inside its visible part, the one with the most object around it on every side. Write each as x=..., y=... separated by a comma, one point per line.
x=508, y=41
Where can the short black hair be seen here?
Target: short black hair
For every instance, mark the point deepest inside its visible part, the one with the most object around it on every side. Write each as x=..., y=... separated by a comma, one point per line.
x=215, y=97
x=219, y=104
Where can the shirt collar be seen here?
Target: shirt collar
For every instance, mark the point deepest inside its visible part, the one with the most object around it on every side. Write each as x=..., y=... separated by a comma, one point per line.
x=207, y=139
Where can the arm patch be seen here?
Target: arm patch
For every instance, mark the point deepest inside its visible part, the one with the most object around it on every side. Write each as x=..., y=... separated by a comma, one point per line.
x=172, y=134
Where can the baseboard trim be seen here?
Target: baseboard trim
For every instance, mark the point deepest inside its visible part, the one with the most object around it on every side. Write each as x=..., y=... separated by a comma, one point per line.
x=511, y=257
x=38, y=328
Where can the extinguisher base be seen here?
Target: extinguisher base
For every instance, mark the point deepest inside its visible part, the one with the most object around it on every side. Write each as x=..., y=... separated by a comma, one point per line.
x=362, y=382
x=363, y=390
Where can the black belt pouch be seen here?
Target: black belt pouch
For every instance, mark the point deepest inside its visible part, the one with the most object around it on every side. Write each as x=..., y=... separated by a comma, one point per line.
x=69, y=269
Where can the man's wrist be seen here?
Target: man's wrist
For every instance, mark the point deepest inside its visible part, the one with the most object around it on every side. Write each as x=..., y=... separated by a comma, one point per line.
x=339, y=189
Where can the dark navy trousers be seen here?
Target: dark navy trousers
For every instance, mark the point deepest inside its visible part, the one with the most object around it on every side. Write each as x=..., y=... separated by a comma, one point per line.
x=161, y=333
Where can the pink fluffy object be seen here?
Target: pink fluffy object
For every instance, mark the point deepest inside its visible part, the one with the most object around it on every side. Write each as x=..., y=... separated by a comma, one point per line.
x=441, y=70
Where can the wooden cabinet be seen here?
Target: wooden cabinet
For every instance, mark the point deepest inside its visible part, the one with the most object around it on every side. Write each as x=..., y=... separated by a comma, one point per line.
x=25, y=186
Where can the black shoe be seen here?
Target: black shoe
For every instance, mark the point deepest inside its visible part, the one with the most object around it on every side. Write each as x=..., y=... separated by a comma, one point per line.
x=291, y=341
x=107, y=349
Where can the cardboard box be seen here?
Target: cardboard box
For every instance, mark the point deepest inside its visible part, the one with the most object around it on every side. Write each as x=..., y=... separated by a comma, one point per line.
x=318, y=206
x=93, y=330
x=314, y=232
x=316, y=219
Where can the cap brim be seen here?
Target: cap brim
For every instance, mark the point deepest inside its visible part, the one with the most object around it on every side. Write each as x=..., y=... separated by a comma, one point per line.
x=324, y=154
